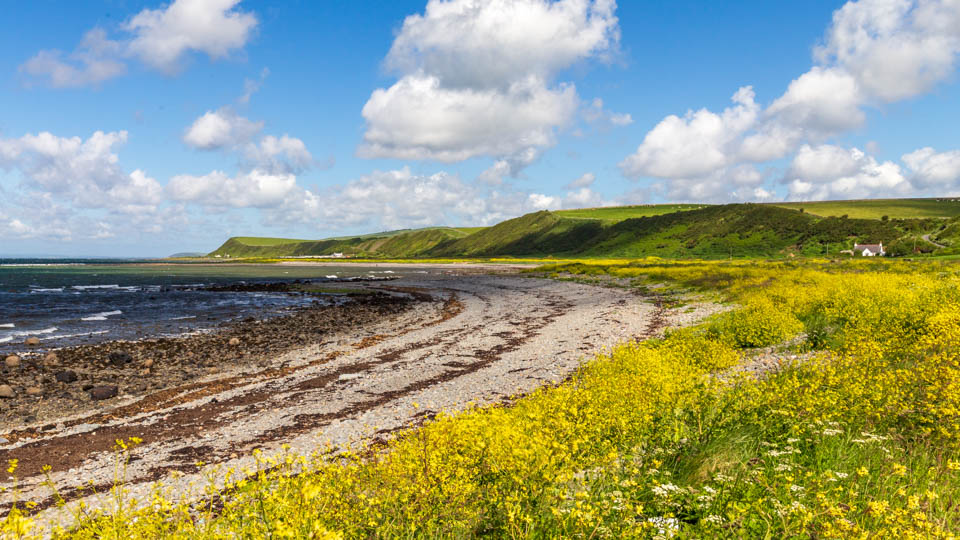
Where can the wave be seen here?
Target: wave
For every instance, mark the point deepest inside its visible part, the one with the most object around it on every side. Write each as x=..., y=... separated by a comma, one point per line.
x=80, y=334
x=85, y=287
x=185, y=317
x=101, y=316
x=333, y=276
x=12, y=335
x=41, y=290
x=8, y=325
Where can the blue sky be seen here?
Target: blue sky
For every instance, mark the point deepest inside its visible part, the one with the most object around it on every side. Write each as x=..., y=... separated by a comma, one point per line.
x=144, y=128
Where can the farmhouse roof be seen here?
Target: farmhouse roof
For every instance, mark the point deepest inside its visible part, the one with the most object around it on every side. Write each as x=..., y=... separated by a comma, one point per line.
x=875, y=248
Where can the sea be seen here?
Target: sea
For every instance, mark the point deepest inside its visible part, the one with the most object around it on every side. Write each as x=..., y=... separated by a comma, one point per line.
x=67, y=302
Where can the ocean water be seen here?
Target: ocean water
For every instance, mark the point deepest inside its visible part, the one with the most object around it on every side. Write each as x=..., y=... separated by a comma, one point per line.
x=70, y=302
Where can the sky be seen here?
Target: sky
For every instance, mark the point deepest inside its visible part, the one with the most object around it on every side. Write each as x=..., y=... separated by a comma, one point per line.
x=139, y=128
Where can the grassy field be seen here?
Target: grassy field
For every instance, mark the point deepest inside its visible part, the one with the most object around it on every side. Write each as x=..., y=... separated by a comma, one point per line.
x=878, y=208
x=620, y=213
x=261, y=241
x=855, y=434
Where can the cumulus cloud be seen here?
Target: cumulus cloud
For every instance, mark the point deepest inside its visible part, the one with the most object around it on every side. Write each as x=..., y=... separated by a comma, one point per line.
x=86, y=172
x=930, y=169
x=218, y=129
x=832, y=172
x=417, y=118
x=399, y=198
x=95, y=60
x=894, y=48
x=160, y=38
x=584, y=181
x=873, y=51
x=256, y=189
x=476, y=78
x=225, y=130
x=698, y=144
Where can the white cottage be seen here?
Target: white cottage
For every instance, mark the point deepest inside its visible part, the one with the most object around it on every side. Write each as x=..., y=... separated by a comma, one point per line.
x=869, y=250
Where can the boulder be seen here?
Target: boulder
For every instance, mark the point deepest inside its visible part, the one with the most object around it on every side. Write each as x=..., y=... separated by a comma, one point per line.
x=119, y=359
x=148, y=363
x=32, y=341
x=65, y=376
x=12, y=361
x=6, y=391
x=51, y=359
x=234, y=341
x=34, y=391
x=103, y=392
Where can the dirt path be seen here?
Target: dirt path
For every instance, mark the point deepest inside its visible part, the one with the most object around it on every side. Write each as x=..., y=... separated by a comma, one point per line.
x=482, y=340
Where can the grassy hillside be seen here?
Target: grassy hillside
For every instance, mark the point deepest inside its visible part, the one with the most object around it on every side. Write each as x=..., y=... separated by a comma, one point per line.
x=878, y=208
x=260, y=241
x=688, y=231
x=410, y=243
x=620, y=213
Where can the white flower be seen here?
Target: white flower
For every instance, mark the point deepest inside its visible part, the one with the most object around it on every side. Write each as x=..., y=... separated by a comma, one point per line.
x=714, y=519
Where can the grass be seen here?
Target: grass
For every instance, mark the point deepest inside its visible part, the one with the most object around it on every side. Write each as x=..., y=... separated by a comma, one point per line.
x=614, y=214
x=261, y=241
x=878, y=208
x=859, y=438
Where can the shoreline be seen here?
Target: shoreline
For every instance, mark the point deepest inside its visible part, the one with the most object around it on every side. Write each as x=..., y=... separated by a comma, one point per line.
x=486, y=339
x=66, y=376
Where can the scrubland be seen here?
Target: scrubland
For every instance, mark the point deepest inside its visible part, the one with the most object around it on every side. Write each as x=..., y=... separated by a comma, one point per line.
x=858, y=437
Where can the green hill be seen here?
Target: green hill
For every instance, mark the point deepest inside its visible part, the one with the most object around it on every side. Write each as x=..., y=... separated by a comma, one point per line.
x=620, y=213
x=674, y=231
x=878, y=208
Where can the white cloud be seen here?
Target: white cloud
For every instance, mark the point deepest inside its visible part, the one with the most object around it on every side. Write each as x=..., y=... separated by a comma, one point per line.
x=698, y=144
x=931, y=169
x=874, y=51
x=95, y=60
x=284, y=153
x=218, y=129
x=819, y=103
x=831, y=172
x=158, y=37
x=583, y=182
x=492, y=44
x=596, y=114
x=824, y=163
x=85, y=172
x=894, y=48
x=256, y=189
x=476, y=79
x=511, y=166
x=417, y=118
x=162, y=36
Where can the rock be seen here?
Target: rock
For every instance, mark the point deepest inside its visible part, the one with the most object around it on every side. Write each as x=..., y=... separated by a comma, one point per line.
x=12, y=361
x=65, y=376
x=51, y=359
x=350, y=376
x=32, y=341
x=234, y=341
x=145, y=371
x=34, y=391
x=6, y=391
x=120, y=359
x=148, y=363
x=103, y=392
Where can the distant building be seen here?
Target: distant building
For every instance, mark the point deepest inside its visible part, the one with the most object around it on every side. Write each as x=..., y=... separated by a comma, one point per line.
x=869, y=250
